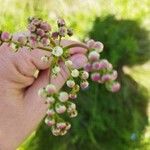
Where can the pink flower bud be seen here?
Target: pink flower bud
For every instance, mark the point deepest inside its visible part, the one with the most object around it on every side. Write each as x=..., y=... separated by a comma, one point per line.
x=55, y=35
x=84, y=84
x=40, y=32
x=45, y=41
x=85, y=75
x=95, y=77
x=93, y=56
x=115, y=87
x=61, y=22
x=106, y=77
x=70, y=83
x=96, y=65
x=22, y=40
x=98, y=46
x=73, y=96
x=5, y=36
x=49, y=122
x=90, y=43
x=63, y=96
x=62, y=31
x=103, y=64
x=50, y=112
x=45, y=26
x=51, y=89
x=61, y=125
x=36, y=22
x=88, y=67
x=60, y=109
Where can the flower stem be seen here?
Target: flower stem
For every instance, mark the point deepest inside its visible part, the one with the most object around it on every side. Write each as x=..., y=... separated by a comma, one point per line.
x=76, y=45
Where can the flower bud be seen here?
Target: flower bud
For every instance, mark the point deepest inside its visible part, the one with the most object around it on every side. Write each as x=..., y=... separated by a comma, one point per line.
x=88, y=67
x=31, y=28
x=57, y=51
x=56, y=70
x=36, y=21
x=96, y=66
x=55, y=35
x=72, y=96
x=45, y=26
x=63, y=132
x=40, y=32
x=98, y=46
x=5, y=36
x=85, y=75
x=61, y=125
x=49, y=121
x=50, y=112
x=60, y=109
x=63, y=96
x=70, y=83
x=55, y=131
x=45, y=41
x=69, y=32
x=62, y=31
x=114, y=75
x=51, y=89
x=93, y=56
x=90, y=43
x=73, y=114
x=68, y=126
x=75, y=73
x=84, y=84
x=68, y=63
x=22, y=40
x=42, y=93
x=115, y=87
x=50, y=100
x=106, y=77
x=45, y=59
x=95, y=77
x=61, y=22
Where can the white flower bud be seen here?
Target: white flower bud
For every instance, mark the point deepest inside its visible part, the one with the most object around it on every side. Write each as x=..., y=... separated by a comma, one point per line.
x=93, y=56
x=50, y=88
x=50, y=112
x=55, y=131
x=68, y=63
x=73, y=114
x=45, y=59
x=57, y=51
x=50, y=100
x=70, y=83
x=63, y=96
x=61, y=125
x=75, y=73
x=42, y=93
x=60, y=109
x=85, y=75
x=56, y=70
x=49, y=122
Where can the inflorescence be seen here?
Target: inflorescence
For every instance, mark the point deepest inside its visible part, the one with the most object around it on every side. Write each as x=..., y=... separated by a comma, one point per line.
x=62, y=102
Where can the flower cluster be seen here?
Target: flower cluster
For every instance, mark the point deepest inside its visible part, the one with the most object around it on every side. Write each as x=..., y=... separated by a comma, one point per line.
x=62, y=102
x=101, y=70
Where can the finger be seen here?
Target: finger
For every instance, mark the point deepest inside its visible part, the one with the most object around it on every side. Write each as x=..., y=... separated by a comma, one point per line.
x=75, y=49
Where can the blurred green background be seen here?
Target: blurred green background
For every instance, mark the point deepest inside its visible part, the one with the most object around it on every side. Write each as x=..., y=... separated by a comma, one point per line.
x=106, y=121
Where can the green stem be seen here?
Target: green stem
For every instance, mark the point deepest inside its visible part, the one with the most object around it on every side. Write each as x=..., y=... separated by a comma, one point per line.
x=76, y=45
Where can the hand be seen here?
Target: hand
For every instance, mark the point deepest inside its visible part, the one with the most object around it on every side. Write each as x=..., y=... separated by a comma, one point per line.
x=21, y=110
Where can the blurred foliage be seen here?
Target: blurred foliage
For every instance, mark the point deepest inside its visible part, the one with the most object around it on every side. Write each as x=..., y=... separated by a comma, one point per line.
x=106, y=121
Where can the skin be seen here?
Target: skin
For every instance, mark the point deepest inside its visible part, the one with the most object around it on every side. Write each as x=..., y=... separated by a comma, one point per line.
x=21, y=109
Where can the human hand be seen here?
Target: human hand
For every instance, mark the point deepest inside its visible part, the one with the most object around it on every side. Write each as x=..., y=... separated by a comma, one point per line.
x=21, y=110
